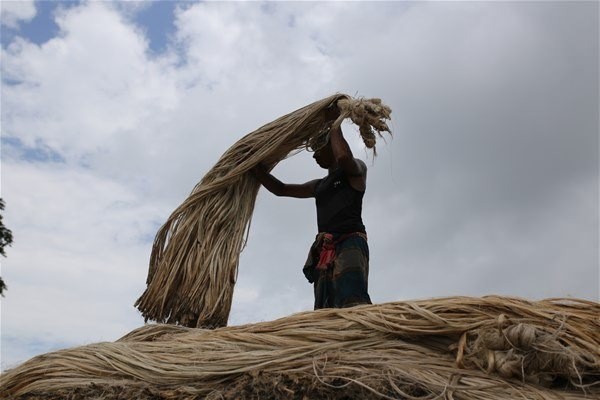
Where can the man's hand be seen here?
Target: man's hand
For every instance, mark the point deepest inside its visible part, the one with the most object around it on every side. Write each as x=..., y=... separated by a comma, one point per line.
x=332, y=112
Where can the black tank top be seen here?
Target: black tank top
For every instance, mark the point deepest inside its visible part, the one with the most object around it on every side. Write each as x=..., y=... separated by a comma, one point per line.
x=339, y=205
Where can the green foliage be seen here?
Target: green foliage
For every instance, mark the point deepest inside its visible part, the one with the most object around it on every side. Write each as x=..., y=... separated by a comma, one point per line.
x=6, y=239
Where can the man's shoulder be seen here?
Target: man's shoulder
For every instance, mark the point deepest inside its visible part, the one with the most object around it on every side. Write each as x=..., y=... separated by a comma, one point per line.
x=362, y=168
x=362, y=164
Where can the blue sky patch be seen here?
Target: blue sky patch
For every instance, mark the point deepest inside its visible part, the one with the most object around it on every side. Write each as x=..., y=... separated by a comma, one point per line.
x=156, y=19
x=42, y=27
x=158, y=22
x=13, y=147
x=17, y=348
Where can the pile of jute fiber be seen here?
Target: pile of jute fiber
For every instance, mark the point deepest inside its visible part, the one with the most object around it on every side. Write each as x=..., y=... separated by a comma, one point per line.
x=194, y=260
x=493, y=348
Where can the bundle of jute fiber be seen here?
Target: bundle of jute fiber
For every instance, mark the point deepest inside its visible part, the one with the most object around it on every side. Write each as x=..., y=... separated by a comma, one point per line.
x=194, y=260
x=402, y=350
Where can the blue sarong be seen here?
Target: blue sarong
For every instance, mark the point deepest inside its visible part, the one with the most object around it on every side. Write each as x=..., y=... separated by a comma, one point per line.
x=344, y=281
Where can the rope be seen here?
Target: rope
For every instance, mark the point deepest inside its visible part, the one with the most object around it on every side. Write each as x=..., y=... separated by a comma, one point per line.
x=398, y=350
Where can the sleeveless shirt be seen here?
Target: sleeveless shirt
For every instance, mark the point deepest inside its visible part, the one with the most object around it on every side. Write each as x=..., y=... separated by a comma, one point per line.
x=339, y=205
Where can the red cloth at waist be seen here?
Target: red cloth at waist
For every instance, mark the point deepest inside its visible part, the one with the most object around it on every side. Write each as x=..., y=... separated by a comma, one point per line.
x=327, y=253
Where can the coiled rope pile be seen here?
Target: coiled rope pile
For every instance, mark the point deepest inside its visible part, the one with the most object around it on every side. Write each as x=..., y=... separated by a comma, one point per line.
x=452, y=348
x=194, y=260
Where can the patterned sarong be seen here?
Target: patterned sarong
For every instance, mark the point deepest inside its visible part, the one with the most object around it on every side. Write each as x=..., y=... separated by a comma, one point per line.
x=340, y=277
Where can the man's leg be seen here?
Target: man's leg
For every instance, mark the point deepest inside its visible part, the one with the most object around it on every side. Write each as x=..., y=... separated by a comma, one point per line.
x=350, y=273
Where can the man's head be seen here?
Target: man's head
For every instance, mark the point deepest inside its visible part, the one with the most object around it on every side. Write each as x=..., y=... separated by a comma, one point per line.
x=321, y=146
x=332, y=112
x=324, y=156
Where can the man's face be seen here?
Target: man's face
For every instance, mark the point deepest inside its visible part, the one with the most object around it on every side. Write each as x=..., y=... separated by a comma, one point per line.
x=324, y=157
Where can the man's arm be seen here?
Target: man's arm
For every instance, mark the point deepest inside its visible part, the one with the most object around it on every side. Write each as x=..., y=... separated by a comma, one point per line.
x=279, y=188
x=343, y=155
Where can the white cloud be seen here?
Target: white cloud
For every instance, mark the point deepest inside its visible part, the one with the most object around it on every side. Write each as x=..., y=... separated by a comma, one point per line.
x=250, y=48
x=14, y=12
x=79, y=84
x=78, y=256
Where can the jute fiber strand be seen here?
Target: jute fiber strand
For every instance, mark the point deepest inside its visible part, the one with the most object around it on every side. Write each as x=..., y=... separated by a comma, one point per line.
x=429, y=349
x=194, y=259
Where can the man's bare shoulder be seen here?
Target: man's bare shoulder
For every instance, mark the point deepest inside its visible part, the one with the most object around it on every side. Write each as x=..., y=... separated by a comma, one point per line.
x=361, y=164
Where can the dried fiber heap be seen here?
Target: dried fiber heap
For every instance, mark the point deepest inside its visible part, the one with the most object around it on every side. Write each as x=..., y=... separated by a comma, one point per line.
x=194, y=260
x=492, y=348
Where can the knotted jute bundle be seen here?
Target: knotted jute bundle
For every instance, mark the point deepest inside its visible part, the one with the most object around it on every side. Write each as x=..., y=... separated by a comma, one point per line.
x=524, y=351
x=194, y=259
x=426, y=349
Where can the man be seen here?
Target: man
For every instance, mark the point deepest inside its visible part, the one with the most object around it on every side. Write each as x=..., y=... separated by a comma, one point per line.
x=338, y=261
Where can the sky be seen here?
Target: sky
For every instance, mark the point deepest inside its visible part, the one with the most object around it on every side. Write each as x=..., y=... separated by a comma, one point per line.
x=111, y=112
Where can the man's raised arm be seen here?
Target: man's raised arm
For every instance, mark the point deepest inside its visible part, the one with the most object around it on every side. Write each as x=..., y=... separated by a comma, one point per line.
x=343, y=155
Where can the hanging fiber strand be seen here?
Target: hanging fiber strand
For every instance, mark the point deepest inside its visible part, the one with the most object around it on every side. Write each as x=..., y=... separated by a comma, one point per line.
x=458, y=348
x=194, y=260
